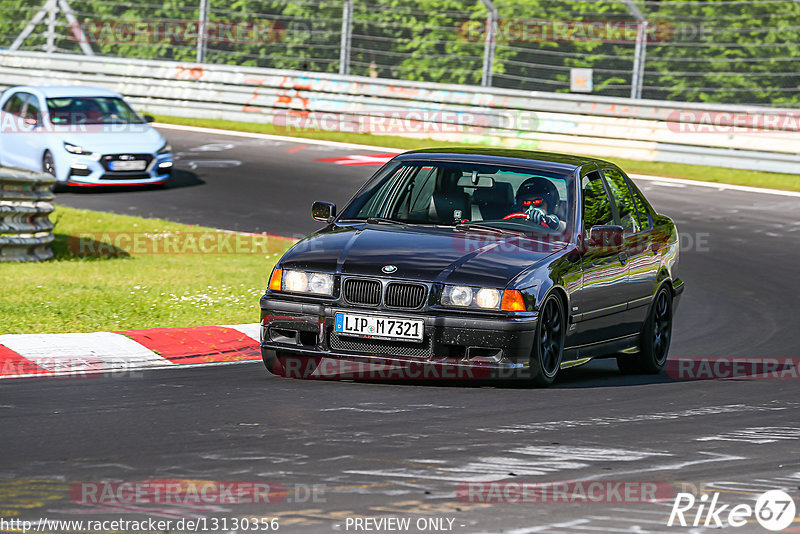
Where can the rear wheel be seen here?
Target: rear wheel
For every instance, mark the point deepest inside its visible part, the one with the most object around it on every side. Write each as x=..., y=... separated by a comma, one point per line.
x=548, y=349
x=654, y=340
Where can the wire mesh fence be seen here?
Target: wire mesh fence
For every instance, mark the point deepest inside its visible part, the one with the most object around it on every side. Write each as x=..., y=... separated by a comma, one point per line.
x=731, y=51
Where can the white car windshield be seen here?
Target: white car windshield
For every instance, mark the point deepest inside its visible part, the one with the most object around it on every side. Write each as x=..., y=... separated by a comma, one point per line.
x=91, y=110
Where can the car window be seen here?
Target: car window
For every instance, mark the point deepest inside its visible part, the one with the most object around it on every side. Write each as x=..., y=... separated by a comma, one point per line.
x=596, y=206
x=623, y=200
x=642, y=209
x=32, y=110
x=376, y=197
x=446, y=193
x=91, y=110
x=15, y=104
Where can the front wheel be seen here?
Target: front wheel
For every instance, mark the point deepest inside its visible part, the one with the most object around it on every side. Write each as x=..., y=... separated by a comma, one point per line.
x=654, y=340
x=548, y=347
x=48, y=163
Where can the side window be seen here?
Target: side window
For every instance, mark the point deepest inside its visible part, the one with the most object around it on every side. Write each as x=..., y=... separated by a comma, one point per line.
x=641, y=206
x=596, y=206
x=14, y=104
x=622, y=200
x=32, y=111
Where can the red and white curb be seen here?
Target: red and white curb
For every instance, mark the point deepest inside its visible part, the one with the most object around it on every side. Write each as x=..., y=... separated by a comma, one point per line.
x=51, y=355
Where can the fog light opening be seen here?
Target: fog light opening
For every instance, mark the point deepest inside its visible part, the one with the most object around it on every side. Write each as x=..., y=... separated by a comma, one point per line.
x=283, y=335
x=484, y=355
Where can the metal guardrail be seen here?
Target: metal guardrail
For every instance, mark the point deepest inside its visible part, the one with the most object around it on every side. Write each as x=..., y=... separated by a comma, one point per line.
x=704, y=134
x=25, y=208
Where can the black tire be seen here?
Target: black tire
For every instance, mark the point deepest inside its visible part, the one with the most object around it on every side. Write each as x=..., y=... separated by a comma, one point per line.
x=272, y=363
x=548, y=345
x=654, y=340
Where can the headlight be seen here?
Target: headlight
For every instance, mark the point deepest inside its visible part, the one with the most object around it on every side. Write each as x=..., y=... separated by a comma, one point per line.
x=75, y=149
x=167, y=148
x=488, y=298
x=465, y=296
x=303, y=282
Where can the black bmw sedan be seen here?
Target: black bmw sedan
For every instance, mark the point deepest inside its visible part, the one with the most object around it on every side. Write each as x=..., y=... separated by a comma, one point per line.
x=477, y=263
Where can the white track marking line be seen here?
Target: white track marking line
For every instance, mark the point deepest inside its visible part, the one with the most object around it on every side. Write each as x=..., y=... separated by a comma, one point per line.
x=337, y=144
x=715, y=185
x=93, y=352
x=284, y=138
x=252, y=330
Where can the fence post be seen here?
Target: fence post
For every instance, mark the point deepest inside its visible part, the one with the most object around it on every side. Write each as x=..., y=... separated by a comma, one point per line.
x=639, y=50
x=347, y=37
x=52, y=10
x=202, y=22
x=489, y=43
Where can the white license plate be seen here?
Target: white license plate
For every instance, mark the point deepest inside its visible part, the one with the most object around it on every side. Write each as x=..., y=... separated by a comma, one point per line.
x=380, y=327
x=135, y=165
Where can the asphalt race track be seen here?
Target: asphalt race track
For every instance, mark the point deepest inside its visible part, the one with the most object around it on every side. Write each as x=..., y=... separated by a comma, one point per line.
x=400, y=450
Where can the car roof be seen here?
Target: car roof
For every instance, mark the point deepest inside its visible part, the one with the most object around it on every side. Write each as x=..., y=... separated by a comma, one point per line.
x=60, y=91
x=504, y=156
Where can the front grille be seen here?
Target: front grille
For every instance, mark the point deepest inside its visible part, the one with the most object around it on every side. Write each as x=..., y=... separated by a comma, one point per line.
x=361, y=291
x=380, y=347
x=400, y=295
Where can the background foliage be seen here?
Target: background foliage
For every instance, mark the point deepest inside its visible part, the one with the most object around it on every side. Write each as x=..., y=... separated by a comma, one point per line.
x=708, y=51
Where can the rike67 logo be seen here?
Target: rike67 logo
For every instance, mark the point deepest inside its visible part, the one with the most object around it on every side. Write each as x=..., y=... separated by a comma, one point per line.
x=774, y=510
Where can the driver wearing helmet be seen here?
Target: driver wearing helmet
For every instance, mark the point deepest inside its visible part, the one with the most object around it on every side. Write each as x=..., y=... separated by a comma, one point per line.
x=536, y=200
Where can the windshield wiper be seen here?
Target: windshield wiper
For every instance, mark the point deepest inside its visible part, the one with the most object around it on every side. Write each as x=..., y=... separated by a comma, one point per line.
x=486, y=227
x=384, y=220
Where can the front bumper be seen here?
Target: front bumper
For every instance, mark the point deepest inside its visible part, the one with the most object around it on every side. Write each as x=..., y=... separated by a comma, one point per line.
x=88, y=171
x=298, y=340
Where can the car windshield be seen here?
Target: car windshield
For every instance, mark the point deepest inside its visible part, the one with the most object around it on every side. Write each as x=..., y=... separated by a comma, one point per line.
x=91, y=110
x=464, y=194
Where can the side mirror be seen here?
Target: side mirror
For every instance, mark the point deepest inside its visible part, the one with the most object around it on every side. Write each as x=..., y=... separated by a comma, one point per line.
x=149, y=118
x=323, y=211
x=608, y=237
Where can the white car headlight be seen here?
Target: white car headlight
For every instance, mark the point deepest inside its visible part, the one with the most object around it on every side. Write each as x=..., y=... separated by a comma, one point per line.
x=488, y=298
x=476, y=297
x=167, y=148
x=303, y=282
x=76, y=149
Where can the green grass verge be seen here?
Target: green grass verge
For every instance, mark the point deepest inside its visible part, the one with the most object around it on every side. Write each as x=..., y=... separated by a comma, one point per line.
x=788, y=182
x=135, y=288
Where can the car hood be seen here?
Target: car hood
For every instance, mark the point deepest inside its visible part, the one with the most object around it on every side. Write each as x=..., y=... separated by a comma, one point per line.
x=134, y=139
x=440, y=255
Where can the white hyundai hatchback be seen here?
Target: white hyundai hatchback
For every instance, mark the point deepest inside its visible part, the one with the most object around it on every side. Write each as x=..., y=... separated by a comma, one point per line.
x=84, y=136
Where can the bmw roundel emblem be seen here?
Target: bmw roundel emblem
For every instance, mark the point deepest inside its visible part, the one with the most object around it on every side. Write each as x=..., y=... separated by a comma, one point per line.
x=389, y=269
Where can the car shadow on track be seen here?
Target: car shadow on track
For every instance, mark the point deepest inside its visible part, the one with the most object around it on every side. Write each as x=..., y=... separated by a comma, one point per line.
x=601, y=373
x=180, y=179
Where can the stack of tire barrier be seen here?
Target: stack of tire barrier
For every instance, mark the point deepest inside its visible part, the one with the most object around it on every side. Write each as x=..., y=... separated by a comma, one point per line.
x=25, y=207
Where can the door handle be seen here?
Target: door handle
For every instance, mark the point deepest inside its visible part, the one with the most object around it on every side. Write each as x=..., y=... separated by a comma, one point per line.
x=623, y=257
